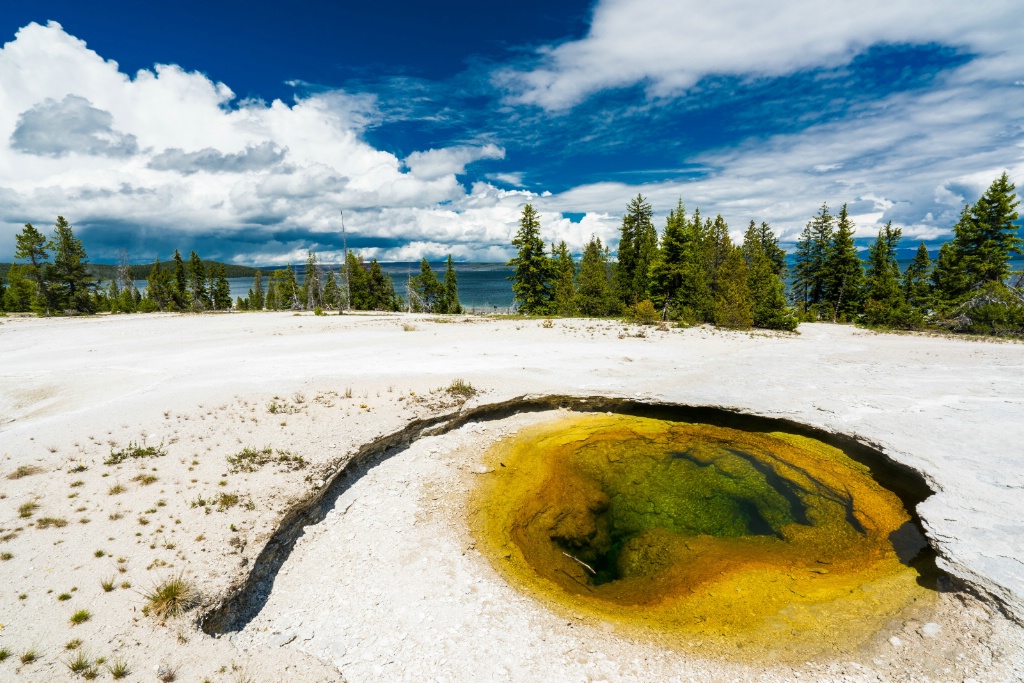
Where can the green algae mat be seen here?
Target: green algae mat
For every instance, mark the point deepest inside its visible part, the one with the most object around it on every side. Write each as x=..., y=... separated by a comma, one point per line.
x=770, y=545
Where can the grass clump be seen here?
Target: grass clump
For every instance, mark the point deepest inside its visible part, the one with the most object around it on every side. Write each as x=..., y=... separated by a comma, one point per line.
x=47, y=522
x=226, y=500
x=461, y=388
x=24, y=471
x=80, y=663
x=80, y=617
x=170, y=598
x=108, y=584
x=64, y=596
x=116, y=489
x=6, y=556
x=73, y=644
x=119, y=668
x=26, y=510
x=134, y=450
x=145, y=479
x=30, y=655
x=251, y=459
x=4, y=654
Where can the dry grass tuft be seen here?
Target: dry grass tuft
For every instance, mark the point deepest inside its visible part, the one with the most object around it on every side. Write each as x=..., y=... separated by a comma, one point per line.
x=25, y=471
x=171, y=598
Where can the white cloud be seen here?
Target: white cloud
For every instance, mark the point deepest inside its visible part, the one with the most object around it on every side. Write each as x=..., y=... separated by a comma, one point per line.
x=174, y=151
x=670, y=46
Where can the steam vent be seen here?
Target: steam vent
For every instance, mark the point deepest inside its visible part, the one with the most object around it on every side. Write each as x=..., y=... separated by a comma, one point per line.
x=764, y=544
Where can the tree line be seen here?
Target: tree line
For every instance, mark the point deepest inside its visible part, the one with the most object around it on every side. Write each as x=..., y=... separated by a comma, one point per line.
x=55, y=278
x=693, y=273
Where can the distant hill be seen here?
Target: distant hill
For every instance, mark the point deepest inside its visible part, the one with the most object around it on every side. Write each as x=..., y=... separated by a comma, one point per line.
x=141, y=271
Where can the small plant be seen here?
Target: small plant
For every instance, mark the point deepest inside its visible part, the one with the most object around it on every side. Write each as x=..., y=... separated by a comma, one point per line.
x=409, y=327
x=461, y=388
x=170, y=598
x=76, y=484
x=166, y=673
x=80, y=663
x=73, y=644
x=64, y=596
x=251, y=459
x=24, y=471
x=4, y=654
x=26, y=510
x=47, y=522
x=548, y=324
x=6, y=556
x=30, y=655
x=99, y=553
x=114, y=516
x=107, y=584
x=116, y=489
x=134, y=450
x=226, y=500
x=126, y=585
x=78, y=468
x=118, y=668
x=145, y=479
x=80, y=617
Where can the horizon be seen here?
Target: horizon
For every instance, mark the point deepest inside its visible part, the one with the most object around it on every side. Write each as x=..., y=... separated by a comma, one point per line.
x=247, y=132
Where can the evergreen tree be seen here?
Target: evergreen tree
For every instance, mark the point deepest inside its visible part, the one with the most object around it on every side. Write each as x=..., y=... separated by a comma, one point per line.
x=160, y=287
x=331, y=293
x=358, y=283
x=427, y=289
x=842, y=272
x=992, y=235
x=69, y=280
x=196, y=292
x=288, y=290
x=733, y=308
x=221, y=289
x=531, y=281
x=564, y=298
x=916, y=280
x=21, y=289
x=31, y=244
x=885, y=305
x=770, y=244
x=311, y=283
x=257, y=298
x=450, y=289
x=767, y=291
x=270, y=301
x=812, y=249
x=638, y=245
x=180, y=291
x=669, y=268
x=594, y=296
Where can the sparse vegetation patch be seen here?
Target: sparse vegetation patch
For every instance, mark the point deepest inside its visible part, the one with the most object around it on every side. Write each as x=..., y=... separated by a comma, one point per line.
x=171, y=598
x=134, y=450
x=251, y=459
x=24, y=471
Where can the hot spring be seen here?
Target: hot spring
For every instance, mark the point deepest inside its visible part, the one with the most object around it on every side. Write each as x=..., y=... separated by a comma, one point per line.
x=701, y=535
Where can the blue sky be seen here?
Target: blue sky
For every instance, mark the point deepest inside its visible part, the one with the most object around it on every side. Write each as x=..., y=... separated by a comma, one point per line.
x=240, y=129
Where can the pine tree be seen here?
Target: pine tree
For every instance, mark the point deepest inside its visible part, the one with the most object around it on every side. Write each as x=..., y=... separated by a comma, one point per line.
x=811, y=251
x=196, y=292
x=594, y=296
x=159, y=287
x=770, y=244
x=21, y=289
x=992, y=235
x=531, y=281
x=450, y=289
x=331, y=293
x=69, y=280
x=916, y=280
x=767, y=291
x=564, y=299
x=221, y=288
x=382, y=289
x=311, y=283
x=180, y=283
x=732, y=296
x=31, y=244
x=668, y=269
x=885, y=305
x=426, y=289
x=358, y=283
x=842, y=272
x=638, y=246
x=257, y=298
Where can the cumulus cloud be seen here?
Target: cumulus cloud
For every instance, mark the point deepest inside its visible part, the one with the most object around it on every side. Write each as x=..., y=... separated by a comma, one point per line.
x=437, y=163
x=253, y=158
x=670, y=46
x=57, y=129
